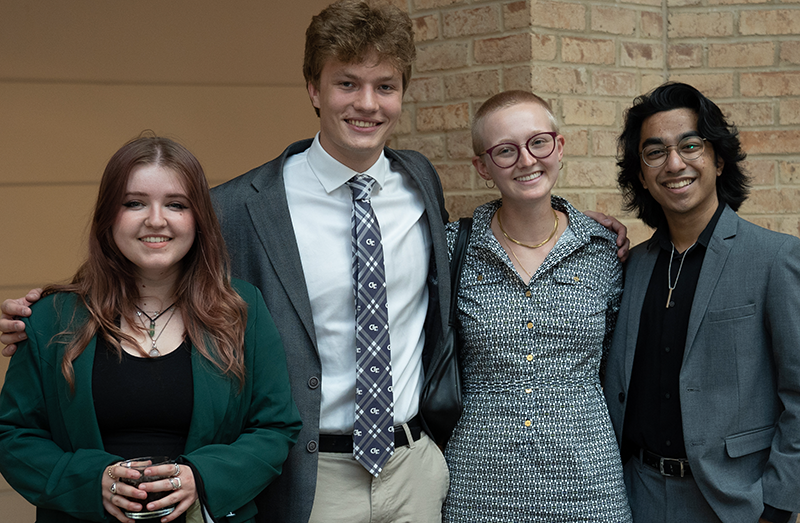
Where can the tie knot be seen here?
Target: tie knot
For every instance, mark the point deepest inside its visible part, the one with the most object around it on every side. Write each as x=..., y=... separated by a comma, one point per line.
x=361, y=185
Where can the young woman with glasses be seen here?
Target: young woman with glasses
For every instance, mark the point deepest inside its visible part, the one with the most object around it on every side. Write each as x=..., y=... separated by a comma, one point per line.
x=538, y=300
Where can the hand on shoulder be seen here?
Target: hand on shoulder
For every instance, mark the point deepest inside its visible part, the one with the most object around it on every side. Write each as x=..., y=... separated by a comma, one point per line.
x=612, y=224
x=12, y=329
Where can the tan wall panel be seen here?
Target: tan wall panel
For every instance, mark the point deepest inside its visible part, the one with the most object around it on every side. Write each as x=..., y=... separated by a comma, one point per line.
x=67, y=132
x=183, y=41
x=50, y=244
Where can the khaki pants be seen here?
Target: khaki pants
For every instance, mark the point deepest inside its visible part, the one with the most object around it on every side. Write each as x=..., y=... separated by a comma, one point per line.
x=410, y=489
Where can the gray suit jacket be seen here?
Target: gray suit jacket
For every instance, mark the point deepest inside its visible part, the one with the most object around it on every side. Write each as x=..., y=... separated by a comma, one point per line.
x=740, y=376
x=257, y=227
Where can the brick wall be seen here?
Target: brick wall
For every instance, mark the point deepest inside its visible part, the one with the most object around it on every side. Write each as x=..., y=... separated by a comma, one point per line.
x=590, y=59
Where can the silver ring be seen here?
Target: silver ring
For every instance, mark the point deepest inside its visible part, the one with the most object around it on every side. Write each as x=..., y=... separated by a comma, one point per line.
x=113, y=488
x=177, y=470
x=172, y=482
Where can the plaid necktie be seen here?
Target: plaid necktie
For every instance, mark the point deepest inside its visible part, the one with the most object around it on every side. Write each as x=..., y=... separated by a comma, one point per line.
x=373, y=433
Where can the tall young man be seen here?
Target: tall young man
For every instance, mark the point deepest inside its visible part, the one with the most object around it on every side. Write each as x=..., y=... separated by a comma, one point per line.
x=288, y=227
x=703, y=376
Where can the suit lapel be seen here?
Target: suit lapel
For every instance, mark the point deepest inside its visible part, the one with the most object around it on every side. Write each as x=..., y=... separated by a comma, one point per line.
x=212, y=392
x=717, y=253
x=269, y=212
x=636, y=285
x=78, y=409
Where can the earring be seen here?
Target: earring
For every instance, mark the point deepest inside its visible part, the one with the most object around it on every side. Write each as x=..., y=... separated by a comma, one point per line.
x=486, y=183
x=560, y=165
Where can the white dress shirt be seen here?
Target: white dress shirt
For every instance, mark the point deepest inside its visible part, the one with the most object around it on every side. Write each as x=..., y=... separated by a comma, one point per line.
x=320, y=204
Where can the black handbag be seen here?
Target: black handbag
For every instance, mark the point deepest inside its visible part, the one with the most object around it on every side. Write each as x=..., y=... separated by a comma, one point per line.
x=441, y=404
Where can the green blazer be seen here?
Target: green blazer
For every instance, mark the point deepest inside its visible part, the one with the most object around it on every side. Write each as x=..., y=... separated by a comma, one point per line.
x=51, y=450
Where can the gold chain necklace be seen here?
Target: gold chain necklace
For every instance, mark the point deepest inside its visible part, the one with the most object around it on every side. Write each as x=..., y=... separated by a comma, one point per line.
x=520, y=263
x=553, y=233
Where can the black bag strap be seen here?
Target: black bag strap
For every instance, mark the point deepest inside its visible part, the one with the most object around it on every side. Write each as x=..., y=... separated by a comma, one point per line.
x=457, y=263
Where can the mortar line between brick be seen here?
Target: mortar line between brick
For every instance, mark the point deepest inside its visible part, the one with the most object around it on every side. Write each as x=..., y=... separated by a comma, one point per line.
x=665, y=39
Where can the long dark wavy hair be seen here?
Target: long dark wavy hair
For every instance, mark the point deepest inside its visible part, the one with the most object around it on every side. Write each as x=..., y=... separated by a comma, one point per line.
x=733, y=184
x=213, y=313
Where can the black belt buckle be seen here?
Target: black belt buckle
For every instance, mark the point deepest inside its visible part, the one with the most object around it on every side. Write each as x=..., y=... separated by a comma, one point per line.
x=671, y=464
x=668, y=467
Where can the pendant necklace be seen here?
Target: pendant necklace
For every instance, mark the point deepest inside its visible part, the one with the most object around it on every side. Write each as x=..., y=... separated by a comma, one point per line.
x=520, y=263
x=671, y=286
x=154, y=352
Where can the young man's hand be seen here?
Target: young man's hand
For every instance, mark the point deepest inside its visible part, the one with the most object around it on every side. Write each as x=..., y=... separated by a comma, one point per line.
x=12, y=329
x=612, y=224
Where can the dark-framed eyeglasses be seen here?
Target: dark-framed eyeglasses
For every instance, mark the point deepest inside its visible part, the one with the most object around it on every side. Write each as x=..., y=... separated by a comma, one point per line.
x=690, y=148
x=540, y=145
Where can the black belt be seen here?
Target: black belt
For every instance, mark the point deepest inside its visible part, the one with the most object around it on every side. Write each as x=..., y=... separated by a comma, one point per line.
x=666, y=466
x=344, y=442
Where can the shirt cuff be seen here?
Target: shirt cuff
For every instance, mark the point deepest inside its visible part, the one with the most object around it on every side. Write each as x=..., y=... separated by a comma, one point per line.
x=775, y=515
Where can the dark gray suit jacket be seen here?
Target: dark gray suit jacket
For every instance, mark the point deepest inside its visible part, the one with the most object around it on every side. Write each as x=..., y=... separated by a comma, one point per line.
x=740, y=376
x=257, y=227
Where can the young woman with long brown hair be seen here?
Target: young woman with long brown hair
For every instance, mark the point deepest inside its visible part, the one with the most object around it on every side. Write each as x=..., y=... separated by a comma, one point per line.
x=150, y=350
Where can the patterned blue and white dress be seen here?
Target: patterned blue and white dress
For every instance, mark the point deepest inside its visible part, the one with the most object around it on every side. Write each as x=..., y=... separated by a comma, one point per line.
x=535, y=443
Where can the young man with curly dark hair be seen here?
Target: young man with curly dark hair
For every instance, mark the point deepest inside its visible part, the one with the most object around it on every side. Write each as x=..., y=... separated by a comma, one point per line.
x=703, y=375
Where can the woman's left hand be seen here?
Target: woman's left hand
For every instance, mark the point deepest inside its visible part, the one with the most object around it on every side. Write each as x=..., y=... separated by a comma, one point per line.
x=180, y=483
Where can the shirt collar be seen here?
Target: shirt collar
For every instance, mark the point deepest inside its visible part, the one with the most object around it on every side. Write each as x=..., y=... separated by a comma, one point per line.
x=662, y=233
x=332, y=174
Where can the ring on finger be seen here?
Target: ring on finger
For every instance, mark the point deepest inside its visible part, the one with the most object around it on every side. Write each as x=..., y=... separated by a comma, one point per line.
x=110, y=474
x=175, y=482
x=113, y=488
x=177, y=470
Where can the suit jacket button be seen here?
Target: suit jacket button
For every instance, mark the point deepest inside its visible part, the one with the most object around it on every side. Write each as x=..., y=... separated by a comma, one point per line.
x=622, y=397
x=311, y=446
x=313, y=382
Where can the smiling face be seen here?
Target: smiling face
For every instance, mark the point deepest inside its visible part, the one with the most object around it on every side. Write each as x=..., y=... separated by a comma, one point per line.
x=685, y=189
x=155, y=227
x=359, y=105
x=530, y=178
